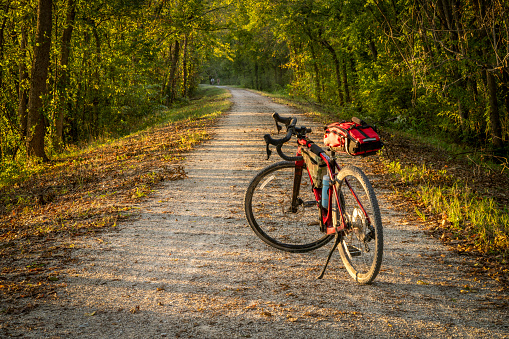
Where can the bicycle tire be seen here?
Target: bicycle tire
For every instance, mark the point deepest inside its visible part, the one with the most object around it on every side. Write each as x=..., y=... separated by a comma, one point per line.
x=361, y=248
x=267, y=205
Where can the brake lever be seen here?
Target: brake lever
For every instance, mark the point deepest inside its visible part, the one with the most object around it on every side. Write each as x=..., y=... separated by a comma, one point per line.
x=269, y=152
x=278, y=127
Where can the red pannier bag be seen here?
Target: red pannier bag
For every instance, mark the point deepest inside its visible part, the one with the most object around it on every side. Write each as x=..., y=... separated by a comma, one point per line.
x=353, y=137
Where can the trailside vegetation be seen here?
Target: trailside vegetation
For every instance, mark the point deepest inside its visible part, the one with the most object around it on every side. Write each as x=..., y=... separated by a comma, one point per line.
x=439, y=67
x=73, y=71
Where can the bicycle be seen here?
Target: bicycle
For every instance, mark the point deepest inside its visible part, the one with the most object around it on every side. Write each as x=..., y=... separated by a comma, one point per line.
x=294, y=212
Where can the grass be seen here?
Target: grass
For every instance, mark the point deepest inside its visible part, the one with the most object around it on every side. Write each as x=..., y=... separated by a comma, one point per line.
x=209, y=104
x=469, y=215
x=473, y=215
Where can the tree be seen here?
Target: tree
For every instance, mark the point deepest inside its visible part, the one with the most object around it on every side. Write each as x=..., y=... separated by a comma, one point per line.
x=63, y=69
x=36, y=127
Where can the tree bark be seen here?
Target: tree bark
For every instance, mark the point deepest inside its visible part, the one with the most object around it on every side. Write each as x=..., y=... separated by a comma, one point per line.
x=495, y=124
x=463, y=113
x=337, y=67
x=373, y=50
x=184, y=66
x=64, y=61
x=257, y=77
x=36, y=129
x=346, y=89
x=505, y=90
x=173, y=72
x=318, y=86
x=23, y=79
x=2, y=41
x=94, y=125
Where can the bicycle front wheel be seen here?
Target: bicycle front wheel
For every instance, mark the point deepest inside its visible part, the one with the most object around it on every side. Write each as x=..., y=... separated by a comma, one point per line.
x=362, y=245
x=268, y=206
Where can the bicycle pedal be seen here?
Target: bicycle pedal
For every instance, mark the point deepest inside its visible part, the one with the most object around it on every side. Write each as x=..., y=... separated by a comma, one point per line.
x=354, y=251
x=310, y=203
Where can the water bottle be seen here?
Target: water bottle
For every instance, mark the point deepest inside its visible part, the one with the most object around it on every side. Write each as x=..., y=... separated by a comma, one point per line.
x=325, y=191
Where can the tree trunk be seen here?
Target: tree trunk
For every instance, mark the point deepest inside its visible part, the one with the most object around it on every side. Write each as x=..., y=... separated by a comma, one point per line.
x=166, y=77
x=36, y=129
x=257, y=79
x=64, y=61
x=173, y=72
x=445, y=10
x=184, y=66
x=463, y=113
x=346, y=88
x=495, y=124
x=2, y=41
x=23, y=79
x=318, y=86
x=337, y=67
x=373, y=50
x=83, y=95
x=505, y=90
x=94, y=126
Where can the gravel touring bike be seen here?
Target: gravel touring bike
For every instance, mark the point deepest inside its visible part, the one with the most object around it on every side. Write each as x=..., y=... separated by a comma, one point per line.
x=297, y=212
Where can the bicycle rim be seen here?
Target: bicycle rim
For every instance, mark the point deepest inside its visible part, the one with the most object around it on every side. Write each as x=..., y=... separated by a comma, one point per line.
x=268, y=210
x=362, y=245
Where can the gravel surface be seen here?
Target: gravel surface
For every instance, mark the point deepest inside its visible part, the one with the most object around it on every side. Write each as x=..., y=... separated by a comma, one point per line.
x=190, y=266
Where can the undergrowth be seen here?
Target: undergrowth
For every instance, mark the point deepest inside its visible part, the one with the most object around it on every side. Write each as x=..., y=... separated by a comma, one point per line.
x=209, y=104
x=471, y=214
x=478, y=217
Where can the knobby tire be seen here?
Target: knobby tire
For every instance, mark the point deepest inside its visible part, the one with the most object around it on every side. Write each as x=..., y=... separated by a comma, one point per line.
x=362, y=258
x=268, y=210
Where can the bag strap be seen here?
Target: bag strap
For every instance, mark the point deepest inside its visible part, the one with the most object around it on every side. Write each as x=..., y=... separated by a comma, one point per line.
x=362, y=132
x=358, y=121
x=307, y=155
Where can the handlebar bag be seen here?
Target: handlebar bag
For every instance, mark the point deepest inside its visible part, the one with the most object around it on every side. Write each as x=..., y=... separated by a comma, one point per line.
x=352, y=137
x=316, y=167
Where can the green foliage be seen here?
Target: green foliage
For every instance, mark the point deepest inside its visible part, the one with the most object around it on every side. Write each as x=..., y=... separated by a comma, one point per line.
x=388, y=96
x=381, y=60
x=466, y=210
x=127, y=62
x=129, y=59
x=12, y=172
x=209, y=104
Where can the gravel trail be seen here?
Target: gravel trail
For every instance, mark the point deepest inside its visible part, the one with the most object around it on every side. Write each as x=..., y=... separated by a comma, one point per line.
x=190, y=266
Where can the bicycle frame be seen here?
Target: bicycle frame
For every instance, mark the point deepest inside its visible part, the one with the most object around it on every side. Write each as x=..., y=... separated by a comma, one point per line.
x=332, y=170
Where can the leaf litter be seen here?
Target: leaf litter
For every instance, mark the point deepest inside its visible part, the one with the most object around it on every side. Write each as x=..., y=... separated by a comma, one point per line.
x=80, y=195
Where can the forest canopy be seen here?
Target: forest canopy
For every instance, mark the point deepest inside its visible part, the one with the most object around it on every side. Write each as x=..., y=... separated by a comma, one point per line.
x=73, y=70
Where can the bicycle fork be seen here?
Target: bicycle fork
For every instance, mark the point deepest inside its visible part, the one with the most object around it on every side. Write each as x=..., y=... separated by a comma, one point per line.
x=296, y=185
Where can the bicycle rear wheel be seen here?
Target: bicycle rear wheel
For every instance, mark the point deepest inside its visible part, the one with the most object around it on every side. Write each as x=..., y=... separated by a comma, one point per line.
x=361, y=248
x=269, y=210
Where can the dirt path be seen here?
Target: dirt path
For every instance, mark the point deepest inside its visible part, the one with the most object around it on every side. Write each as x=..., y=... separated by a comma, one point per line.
x=190, y=266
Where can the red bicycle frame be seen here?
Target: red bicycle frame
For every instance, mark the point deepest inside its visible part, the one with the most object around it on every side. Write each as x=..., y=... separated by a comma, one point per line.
x=332, y=170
